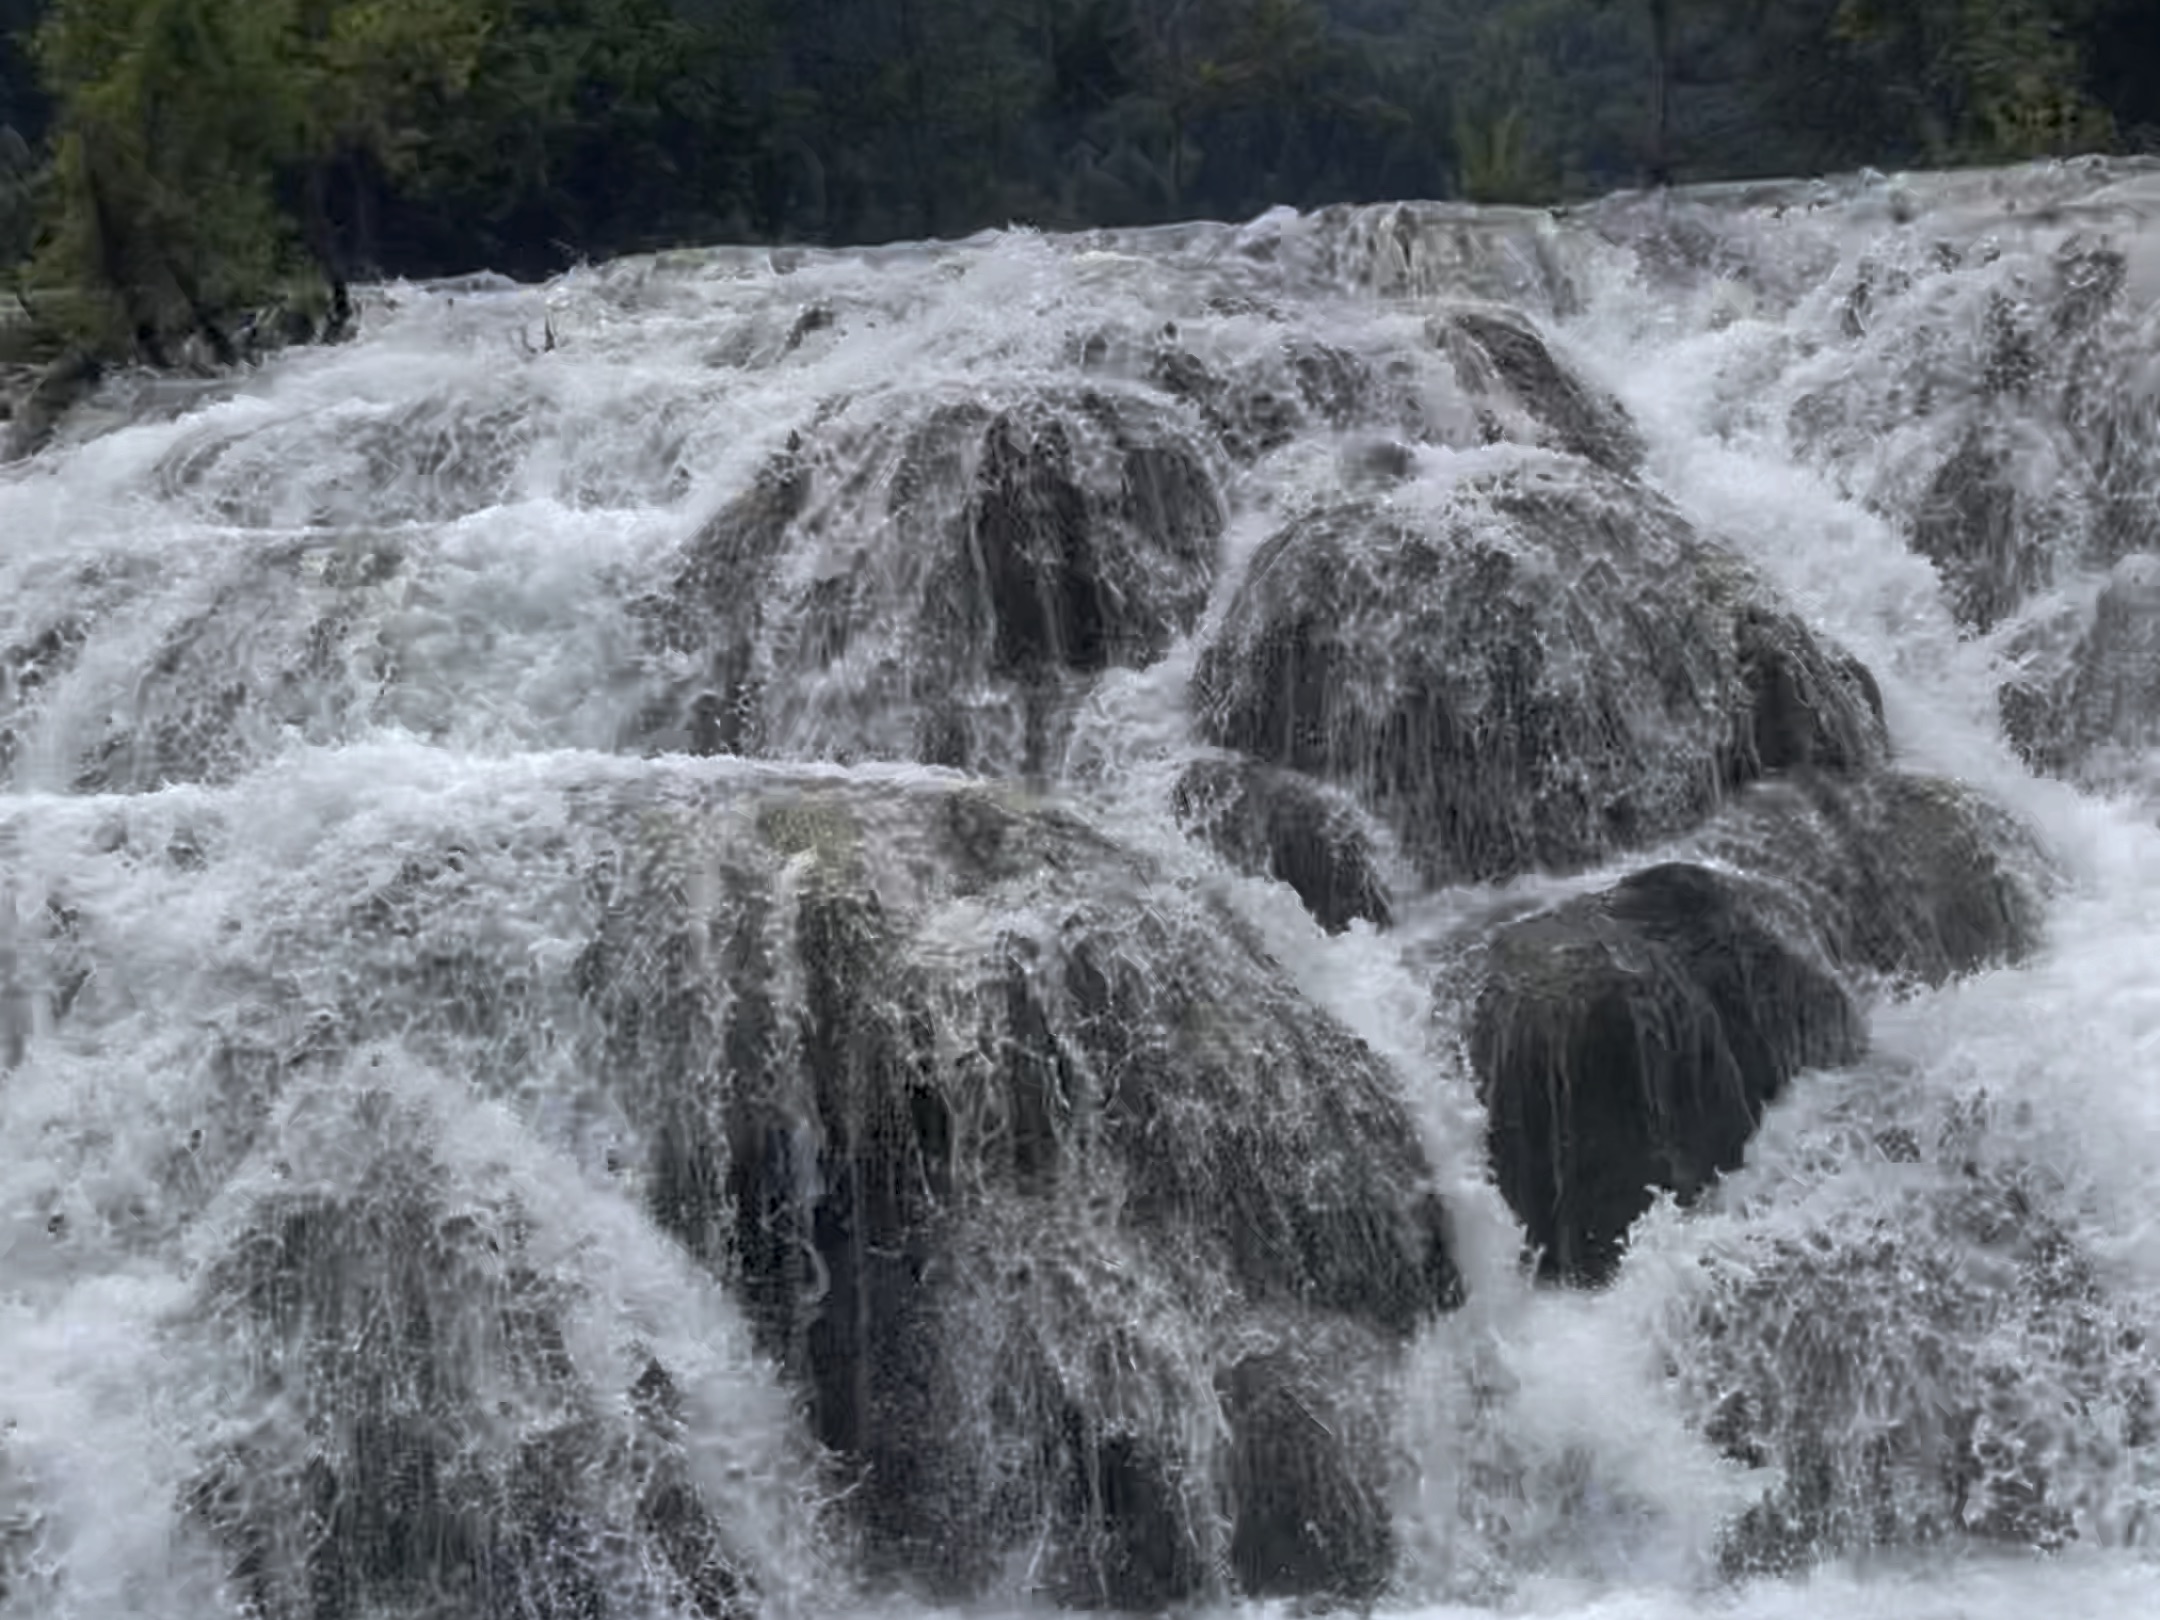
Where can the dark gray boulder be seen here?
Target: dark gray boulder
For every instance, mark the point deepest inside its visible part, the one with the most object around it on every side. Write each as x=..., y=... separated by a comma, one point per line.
x=1904, y=878
x=1523, y=394
x=419, y=1436
x=1279, y=824
x=1631, y=1040
x=1547, y=666
x=1016, y=1155
x=936, y=581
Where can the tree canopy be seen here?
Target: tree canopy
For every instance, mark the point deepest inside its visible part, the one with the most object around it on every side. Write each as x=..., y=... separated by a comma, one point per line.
x=182, y=156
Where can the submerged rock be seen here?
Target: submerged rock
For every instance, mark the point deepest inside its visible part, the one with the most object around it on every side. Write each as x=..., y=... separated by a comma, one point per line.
x=2094, y=721
x=938, y=587
x=1631, y=1040
x=1275, y=823
x=1939, y=1361
x=1018, y=1157
x=1547, y=667
x=414, y=1432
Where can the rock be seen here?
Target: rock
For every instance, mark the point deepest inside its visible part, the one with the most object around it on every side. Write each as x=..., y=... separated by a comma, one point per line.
x=938, y=583
x=1018, y=1155
x=1629, y=1041
x=415, y=1433
x=2094, y=721
x=1910, y=878
x=1309, y=1480
x=59, y=387
x=1298, y=385
x=291, y=643
x=1970, y=524
x=1941, y=1361
x=1545, y=668
x=1275, y=823
x=1524, y=394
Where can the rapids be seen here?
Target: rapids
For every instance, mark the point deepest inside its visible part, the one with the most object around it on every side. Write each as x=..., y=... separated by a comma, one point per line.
x=505, y=823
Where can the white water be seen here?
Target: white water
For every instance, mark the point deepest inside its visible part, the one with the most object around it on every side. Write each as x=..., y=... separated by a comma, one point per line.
x=498, y=674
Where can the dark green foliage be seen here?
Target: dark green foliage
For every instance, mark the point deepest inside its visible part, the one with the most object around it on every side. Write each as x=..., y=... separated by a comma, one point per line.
x=230, y=143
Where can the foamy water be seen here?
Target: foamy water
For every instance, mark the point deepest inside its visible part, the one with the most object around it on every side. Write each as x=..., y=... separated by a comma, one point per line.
x=446, y=530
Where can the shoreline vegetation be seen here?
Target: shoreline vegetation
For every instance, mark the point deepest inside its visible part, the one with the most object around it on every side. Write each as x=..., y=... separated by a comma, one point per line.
x=187, y=184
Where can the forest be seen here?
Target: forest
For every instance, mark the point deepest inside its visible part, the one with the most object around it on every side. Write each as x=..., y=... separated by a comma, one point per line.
x=165, y=161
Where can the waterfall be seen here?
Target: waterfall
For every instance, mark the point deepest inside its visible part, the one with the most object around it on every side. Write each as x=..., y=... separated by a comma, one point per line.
x=1419, y=909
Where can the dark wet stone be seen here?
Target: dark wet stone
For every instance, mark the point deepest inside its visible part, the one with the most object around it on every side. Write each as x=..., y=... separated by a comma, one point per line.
x=982, y=1201
x=1309, y=1483
x=715, y=602
x=2097, y=716
x=1807, y=705
x=1298, y=386
x=1500, y=358
x=1912, y=878
x=382, y=1332
x=1279, y=824
x=978, y=564
x=1970, y=525
x=59, y=388
x=1631, y=1040
x=1551, y=668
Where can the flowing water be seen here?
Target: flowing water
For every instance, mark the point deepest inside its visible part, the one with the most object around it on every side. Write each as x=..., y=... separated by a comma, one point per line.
x=423, y=762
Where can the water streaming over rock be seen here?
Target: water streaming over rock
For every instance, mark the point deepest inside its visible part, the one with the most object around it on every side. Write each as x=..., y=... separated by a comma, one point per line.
x=1419, y=907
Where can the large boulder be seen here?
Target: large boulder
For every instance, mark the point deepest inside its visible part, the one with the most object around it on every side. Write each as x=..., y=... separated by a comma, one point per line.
x=1894, y=877
x=1631, y=1040
x=936, y=581
x=418, y=1415
x=1020, y=1159
x=1544, y=666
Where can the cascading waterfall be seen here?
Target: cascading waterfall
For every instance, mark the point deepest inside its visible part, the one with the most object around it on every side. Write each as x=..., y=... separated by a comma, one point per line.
x=1419, y=907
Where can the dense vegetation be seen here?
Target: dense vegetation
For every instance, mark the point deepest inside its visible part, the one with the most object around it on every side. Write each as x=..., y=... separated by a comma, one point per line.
x=181, y=157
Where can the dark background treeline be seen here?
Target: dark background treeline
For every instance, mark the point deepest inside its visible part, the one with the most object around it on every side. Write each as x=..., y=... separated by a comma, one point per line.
x=186, y=152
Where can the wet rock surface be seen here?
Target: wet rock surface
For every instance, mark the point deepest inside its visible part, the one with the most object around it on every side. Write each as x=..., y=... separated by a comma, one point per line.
x=1004, y=1207
x=1523, y=394
x=1017, y=552
x=1279, y=824
x=429, y=1440
x=1631, y=1040
x=1817, y=1355
x=2092, y=719
x=1549, y=667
